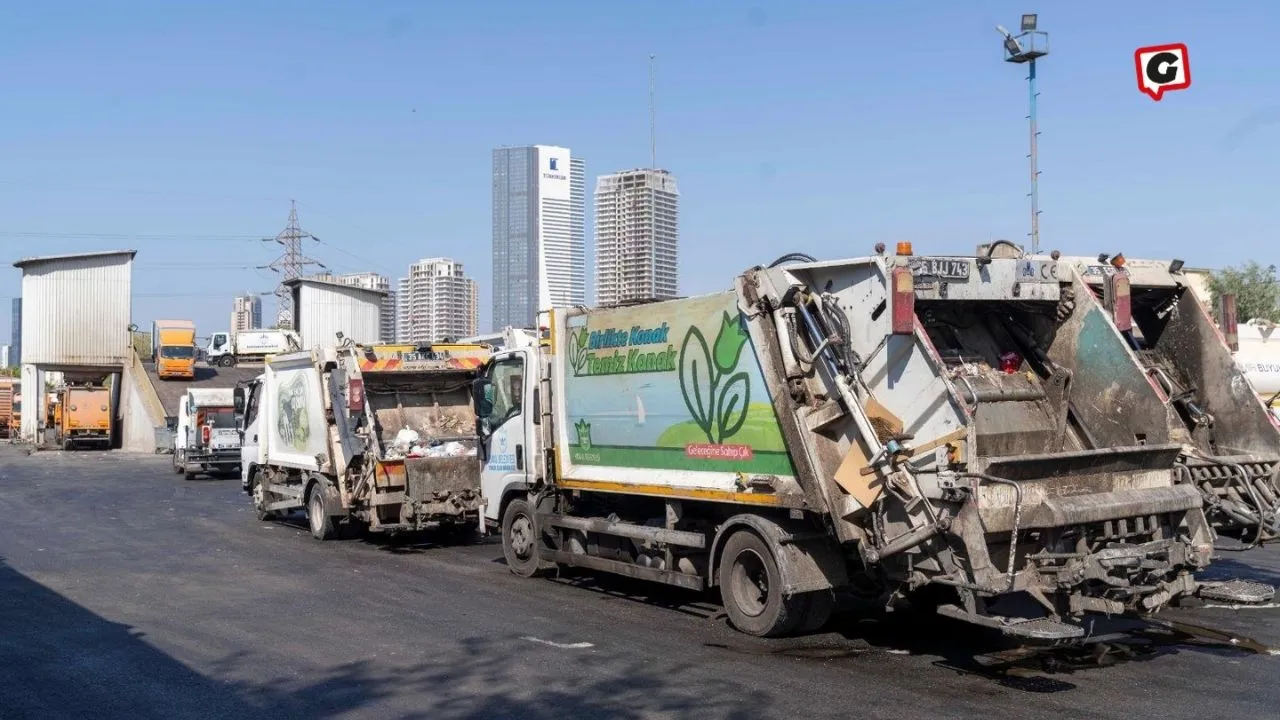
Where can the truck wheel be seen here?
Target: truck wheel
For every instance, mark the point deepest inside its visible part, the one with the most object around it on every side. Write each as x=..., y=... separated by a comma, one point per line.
x=320, y=522
x=67, y=446
x=751, y=587
x=177, y=466
x=227, y=361
x=519, y=539
x=260, y=501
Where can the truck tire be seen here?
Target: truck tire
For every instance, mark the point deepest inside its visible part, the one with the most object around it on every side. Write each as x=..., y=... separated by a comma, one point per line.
x=227, y=361
x=751, y=587
x=320, y=522
x=177, y=466
x=519, y=539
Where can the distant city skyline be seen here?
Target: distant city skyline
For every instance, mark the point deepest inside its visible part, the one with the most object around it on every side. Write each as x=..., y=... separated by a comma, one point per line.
x=636, y=236
x=15, y=333
x=436, y=301
x=539, y=232
x=246, y=313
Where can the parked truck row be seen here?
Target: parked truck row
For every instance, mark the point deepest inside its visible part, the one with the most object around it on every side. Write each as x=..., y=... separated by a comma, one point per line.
x=1001, y=437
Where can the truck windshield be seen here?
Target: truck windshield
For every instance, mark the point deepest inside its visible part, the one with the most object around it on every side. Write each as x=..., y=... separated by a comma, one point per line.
x=222, y=418
x=177, y=352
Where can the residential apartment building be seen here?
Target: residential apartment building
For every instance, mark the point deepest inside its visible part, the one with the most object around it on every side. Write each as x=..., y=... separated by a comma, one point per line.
x=246, y=313
x=436, y=301
x=387, y=330
x=539, y=232
x=636, y=236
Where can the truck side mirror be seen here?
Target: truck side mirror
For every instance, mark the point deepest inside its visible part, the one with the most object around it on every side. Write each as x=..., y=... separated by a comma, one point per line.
x=238, y=400
x=481, y=389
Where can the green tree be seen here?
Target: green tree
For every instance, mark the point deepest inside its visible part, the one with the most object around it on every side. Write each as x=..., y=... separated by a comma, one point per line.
x=1255, y=287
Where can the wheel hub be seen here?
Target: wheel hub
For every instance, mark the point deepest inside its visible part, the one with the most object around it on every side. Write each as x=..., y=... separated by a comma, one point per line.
x=522, y=536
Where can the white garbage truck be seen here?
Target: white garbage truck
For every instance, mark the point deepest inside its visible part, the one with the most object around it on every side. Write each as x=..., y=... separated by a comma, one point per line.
x=966, y=433
x=207, y=440
x=229, y=348
x=378, y=438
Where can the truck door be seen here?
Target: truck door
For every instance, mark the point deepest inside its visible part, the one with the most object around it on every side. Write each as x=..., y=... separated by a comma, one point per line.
x=252, y=399
x=182, y=436
x=504, y=430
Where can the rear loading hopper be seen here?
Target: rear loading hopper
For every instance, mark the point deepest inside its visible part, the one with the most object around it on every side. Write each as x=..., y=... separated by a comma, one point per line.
x=1230, y=445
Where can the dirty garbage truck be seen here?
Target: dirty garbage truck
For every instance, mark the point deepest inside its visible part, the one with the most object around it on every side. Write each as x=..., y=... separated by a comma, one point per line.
x=369, y=437
x=970, y=434
x=207, y=440
x=1230, y=442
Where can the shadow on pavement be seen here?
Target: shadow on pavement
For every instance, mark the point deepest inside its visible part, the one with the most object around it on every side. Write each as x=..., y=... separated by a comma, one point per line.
x=62, y=660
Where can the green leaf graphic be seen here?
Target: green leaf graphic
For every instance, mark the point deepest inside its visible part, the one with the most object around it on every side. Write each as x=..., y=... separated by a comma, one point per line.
x=696, y=382
x=731, y=406
x=578, y=351
x=729, y=343
x=584, y=434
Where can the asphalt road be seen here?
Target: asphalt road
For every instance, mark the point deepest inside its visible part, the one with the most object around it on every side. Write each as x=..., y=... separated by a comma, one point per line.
x=126, y=591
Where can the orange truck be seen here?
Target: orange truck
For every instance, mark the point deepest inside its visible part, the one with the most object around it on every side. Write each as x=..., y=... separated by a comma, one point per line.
x=83, y=417
x=10, y=405
x=174, y=344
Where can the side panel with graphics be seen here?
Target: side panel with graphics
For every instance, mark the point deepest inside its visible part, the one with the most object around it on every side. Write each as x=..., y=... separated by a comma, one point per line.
x=294, y=424
x=665, y=393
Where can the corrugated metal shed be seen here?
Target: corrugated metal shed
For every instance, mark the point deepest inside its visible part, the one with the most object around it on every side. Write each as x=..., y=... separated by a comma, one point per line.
x=322, y=309
x=76, y=309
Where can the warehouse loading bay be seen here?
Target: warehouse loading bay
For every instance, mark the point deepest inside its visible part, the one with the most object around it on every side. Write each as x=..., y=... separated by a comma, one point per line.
x=126, y=591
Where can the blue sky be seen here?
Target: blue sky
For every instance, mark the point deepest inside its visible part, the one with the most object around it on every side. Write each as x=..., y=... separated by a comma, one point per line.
x=183, y=129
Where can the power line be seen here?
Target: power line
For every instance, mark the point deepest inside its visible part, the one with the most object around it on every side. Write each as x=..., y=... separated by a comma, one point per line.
x=127, y=236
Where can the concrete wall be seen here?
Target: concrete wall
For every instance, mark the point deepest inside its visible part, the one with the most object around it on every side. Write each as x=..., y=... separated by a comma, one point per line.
x=141, y=411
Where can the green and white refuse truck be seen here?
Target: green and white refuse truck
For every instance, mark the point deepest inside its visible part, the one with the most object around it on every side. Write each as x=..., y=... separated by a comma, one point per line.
x=970, y=433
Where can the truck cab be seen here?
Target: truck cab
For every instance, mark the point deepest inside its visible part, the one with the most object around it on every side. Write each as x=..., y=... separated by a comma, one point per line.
x=175, y=349
x=207, y=440
x=509, y=412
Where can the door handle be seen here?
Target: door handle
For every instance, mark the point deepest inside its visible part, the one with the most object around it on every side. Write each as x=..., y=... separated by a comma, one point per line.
x=255, y=438
x=519, y=457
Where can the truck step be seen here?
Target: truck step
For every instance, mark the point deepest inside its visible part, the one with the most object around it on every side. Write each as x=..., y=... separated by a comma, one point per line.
x=1038, y=629
x=1237, y=591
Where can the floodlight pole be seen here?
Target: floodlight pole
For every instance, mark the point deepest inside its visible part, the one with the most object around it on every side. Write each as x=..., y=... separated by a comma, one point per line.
x=1026, y=47
x=1035, y=168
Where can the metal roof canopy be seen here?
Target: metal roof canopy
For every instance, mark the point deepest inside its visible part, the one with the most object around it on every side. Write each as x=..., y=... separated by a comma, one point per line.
x=334, y=307
x=76, y=310
x=296, y=282
x=26, y=262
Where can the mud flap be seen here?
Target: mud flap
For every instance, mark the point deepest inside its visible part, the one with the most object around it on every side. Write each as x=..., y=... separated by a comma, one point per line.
x=332, y=500
x=807, y=560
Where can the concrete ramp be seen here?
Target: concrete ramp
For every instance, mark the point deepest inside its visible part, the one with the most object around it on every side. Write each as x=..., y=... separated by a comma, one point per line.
x=149, y=405
x=170, y=392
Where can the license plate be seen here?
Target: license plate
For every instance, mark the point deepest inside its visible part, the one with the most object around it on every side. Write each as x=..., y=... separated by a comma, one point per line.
x=944, y=268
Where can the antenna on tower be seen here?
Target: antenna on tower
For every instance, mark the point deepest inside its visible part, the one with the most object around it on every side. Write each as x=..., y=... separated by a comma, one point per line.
x=653, y=126
x=289, y=265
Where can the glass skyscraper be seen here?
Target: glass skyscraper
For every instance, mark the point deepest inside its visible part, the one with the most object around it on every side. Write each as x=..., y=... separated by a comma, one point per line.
x=15, y=342
x=539, y=242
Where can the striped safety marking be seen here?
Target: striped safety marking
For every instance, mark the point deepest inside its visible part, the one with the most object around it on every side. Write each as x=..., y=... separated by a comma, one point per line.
x=462, y=363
